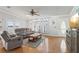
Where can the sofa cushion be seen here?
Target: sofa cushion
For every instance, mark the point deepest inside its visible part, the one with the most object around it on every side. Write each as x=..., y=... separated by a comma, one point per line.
x=23, y=31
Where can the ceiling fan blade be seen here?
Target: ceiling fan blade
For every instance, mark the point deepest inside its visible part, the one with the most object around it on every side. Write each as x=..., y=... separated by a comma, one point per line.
x=37, y=14
x=33, y=12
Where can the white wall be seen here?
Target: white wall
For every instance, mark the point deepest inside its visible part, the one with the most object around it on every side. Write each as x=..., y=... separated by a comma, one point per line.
x=58, y=25
x=51, y=25
x=18, y=23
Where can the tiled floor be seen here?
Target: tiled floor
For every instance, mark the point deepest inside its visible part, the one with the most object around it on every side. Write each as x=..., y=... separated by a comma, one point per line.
x=49, y=45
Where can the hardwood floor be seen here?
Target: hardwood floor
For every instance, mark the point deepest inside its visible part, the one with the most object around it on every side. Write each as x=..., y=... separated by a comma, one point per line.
x=49, y=45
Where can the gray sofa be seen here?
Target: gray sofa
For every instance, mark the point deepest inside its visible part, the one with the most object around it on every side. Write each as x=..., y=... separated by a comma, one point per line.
x=25, y=32
x=11, y=41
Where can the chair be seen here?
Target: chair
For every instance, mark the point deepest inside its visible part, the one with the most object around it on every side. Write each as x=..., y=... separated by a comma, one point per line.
x=11, y=41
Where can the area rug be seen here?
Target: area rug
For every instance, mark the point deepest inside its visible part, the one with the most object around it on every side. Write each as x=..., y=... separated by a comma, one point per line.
x=35, y=44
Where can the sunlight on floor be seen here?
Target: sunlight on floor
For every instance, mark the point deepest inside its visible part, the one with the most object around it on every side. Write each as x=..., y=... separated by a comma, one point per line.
x=44, y=45
x=63, y=46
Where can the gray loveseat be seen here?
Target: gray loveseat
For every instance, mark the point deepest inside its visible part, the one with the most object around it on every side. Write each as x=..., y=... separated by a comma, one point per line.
x=25, y=32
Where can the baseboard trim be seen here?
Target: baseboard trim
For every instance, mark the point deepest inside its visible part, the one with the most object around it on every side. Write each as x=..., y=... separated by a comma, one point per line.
x=61, y=36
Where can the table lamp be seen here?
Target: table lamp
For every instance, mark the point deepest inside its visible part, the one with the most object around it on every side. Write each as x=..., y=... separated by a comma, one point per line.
x=74, y=23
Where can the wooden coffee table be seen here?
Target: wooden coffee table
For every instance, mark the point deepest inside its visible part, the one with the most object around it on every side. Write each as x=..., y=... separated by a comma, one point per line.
x=34, y=37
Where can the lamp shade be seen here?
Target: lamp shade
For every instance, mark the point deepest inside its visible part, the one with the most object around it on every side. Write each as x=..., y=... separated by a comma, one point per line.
x=74, y=22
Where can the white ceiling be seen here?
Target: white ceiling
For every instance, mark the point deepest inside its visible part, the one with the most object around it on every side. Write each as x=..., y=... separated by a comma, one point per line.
x=22, y=11
x=50, y=10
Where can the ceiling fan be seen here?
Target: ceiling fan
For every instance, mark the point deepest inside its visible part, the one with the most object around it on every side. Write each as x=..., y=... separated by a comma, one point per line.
x=33, y=12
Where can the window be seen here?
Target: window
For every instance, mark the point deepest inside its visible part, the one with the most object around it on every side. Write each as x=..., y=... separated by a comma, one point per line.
x=10, y=24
